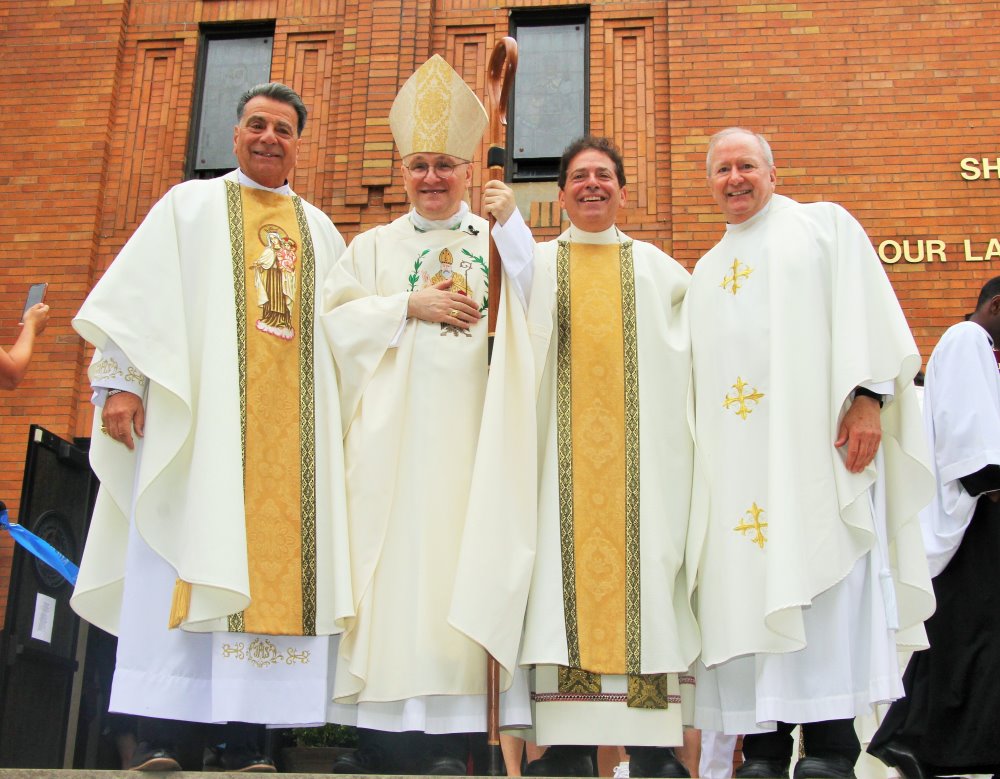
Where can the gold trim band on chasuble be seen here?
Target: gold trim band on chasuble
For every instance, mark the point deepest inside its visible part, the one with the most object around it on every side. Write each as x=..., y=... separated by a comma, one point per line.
x=633, y=621
x=307, y=420
x=564, y=449
x=307, y=397
x=564, y=437
x=234, y=205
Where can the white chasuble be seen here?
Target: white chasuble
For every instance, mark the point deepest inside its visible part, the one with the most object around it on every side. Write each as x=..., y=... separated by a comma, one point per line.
x=208, y=513
x=411, y=402
x=804, y=570
x=600, y=365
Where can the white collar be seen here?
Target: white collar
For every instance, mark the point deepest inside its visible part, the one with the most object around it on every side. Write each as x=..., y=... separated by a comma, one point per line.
x=575, y=235
x=246, y=181
x=753, y=219
x=451, y=223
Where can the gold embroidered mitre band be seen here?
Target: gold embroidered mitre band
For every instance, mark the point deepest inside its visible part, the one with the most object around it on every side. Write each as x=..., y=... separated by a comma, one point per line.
x=436, y=113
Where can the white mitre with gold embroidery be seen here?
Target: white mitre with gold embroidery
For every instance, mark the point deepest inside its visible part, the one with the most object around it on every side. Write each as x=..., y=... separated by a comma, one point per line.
x=436, y=113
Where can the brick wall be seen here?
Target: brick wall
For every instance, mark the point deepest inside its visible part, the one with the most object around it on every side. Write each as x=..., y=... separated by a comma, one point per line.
x=61, y=61
x=871, y=104
x=868, y=103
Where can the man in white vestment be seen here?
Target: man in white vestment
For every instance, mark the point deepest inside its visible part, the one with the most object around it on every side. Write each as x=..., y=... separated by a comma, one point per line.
x=809, y=472
x=585, y=542
x=405, y=309
x=217, y=551
x=949, y=720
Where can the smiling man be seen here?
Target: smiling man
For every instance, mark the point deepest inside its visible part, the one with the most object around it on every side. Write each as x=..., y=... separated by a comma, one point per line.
x=406, y=307
x=600, y=368
x=806, y=492
x=219, y=452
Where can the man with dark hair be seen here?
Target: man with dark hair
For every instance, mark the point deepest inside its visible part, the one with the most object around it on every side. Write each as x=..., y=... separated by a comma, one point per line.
x=585, y=545
x=949, y=720
x=218, y=447
x=278, y=92
x=591, y=143
x=806, y=493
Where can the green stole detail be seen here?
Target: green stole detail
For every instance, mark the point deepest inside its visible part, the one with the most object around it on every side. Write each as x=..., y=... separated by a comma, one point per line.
x=644, y=691
x=307, y=404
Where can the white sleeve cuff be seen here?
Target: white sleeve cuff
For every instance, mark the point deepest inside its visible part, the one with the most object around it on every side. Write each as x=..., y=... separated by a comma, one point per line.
x=114, y=370
x=516, y=247
x=402, y=326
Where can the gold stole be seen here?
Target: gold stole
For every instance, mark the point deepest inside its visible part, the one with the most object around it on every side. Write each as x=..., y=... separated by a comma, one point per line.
x=597, y=413
x=274, y=284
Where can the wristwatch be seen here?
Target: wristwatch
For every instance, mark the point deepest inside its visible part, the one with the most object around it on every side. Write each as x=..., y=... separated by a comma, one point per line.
x=868, y=393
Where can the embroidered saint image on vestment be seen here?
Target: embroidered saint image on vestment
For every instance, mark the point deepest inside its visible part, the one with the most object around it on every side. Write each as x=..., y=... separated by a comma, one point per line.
x=274, y=278
x=420, y=278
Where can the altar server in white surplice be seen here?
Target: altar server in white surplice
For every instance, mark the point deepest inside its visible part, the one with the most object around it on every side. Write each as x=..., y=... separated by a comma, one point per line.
x=948, y=722
x=810, y=471
x=218, y=546
x=405, y=313
x=585, y=540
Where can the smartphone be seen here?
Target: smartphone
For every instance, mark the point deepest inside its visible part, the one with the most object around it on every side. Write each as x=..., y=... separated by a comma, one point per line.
x=36, y=294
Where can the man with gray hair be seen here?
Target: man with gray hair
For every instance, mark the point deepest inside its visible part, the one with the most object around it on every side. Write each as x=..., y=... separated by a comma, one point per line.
x=810, y=472
x=217, y=442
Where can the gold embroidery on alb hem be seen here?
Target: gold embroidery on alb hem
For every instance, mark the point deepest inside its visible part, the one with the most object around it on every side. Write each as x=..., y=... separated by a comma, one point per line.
x=262, y=653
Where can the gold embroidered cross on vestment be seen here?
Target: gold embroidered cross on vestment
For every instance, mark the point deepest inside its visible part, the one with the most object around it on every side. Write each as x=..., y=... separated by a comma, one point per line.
x=740, y=399
x=740, y=271
x=752, y=522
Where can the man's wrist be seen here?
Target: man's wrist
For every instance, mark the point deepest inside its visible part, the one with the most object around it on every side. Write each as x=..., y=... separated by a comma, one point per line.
x=864, y=392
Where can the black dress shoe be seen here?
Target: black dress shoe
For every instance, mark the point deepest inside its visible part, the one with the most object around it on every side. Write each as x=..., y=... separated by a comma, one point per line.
x=154, y=757
x=902, y=758
x=757, y=768
x=563, y=761
x=824, y=768
x=246, y=761
x=445, y=765
x=360, y=761
x=655, y=762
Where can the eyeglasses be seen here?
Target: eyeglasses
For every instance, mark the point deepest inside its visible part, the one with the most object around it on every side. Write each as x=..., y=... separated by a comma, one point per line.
x=443, y=170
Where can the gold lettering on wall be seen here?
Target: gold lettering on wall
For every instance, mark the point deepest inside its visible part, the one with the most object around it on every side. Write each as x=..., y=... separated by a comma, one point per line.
x=976, y=168
x=917, y=250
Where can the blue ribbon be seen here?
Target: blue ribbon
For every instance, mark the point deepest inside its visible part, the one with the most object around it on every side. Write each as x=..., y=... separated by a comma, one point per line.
x=40, y=548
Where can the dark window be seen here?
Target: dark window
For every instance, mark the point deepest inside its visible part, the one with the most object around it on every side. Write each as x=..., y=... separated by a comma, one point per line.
x=550, y=102
x=231, y=60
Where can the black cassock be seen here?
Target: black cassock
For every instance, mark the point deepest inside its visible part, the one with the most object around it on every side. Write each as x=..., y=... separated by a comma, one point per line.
x=950, y=716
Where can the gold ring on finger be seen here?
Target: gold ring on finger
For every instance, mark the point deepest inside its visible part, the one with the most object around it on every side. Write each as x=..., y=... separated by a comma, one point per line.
x=104, y=430
x=454, y=313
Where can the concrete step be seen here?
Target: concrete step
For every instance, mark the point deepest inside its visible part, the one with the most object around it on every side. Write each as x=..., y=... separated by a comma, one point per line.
x=90, y=773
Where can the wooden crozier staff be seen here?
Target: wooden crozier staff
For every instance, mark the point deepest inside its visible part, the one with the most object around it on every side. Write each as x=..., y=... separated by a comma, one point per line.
x=499, y=81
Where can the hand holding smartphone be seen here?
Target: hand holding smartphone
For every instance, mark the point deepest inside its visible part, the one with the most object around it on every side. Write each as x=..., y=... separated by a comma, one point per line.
x=36, y=295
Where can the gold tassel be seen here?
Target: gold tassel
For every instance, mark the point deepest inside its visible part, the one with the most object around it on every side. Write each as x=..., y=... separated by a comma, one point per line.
x=181, y=603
